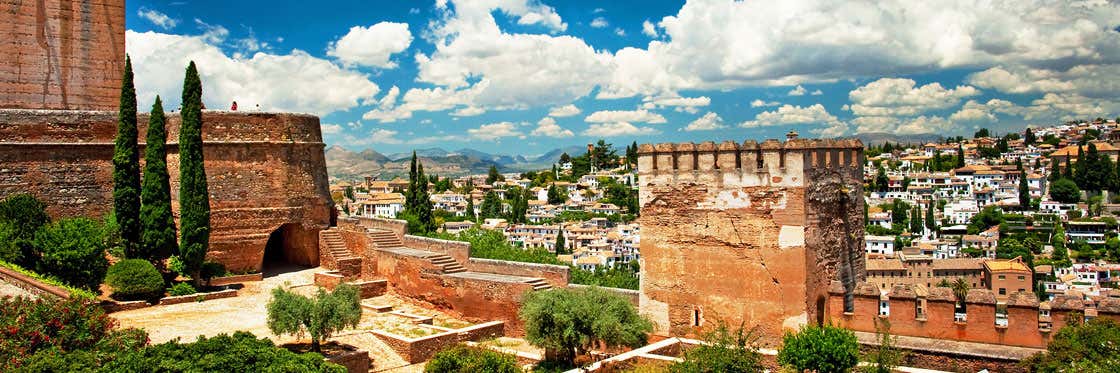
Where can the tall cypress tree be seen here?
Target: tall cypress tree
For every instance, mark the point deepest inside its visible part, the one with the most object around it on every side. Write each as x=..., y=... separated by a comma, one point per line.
x=423, y=200
x=561, y=245
x=158, y=237
x=194, y=197
x=410, y=201
x=960, y=155
x=931, y=222
x=1024, y=192
x=126, y=168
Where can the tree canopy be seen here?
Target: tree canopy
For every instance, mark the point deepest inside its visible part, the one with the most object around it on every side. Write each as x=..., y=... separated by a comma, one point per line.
x=572, y=321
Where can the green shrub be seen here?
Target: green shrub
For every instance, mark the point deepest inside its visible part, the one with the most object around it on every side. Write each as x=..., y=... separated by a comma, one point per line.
x=175, y=264
x=241, y=352
x=211, y=270
x=463, y=358
x=72, y=250
x=182, y=288
x=726, y=350
x=1081, y=347
x=321, y=316
x=822, y=349
x=135, y=278
x=30, y=326
x=24, y=214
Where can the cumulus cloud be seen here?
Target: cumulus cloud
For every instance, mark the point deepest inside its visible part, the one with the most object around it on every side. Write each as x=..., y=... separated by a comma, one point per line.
x=599, y=22
x=632, y=116
x=373, y=45
x=330, y=129
x=708, y=122
x=905, y=126
x=564, y=111
x=681, y=104
x=760, y=103
x=495, y=131
x=617, y=129
x=900, y=97
x=275, y=82
x=792, y=115
x=817, y=93
x=797, y=91
x=649, y=29
x=157, y=18
x=1088, y=80
x=548, y=127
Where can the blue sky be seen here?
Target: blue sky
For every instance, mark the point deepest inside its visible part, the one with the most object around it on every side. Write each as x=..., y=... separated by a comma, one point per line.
x=527, y=76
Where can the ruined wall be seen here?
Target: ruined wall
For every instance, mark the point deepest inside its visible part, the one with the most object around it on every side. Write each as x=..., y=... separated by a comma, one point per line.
x=750, y=233
x=265, y=171
x=458, y=250
x=1025, y=327
x=555, y=275
x=61, y=54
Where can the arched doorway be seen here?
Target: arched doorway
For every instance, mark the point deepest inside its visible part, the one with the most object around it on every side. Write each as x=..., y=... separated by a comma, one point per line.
x=282, y=251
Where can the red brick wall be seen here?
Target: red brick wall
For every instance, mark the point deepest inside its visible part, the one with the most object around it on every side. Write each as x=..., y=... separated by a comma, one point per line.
x=61, y=54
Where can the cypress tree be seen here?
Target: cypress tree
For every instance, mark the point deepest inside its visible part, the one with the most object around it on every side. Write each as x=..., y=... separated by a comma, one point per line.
x=960, y=155
x=194, y=197
x=158, y=236
x=1024, y=192
x=1055, y=173
x=931, y=222
x=126, y=168
x=1067, y=173
x=1079, y=169
x=916, y=220
x=410, y=201
x=423, y=201
x=561, y=244
x=470, y=209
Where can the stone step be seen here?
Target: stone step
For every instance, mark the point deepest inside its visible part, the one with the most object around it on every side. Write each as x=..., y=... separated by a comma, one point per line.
x=454, y=270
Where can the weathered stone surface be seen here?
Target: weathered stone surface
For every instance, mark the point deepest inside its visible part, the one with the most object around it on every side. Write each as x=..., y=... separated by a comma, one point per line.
x=754, y=237
x=61, y=54
x=266, y=174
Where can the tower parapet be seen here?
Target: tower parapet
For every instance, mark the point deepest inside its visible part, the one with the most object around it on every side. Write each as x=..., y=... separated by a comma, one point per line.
x=751, y=163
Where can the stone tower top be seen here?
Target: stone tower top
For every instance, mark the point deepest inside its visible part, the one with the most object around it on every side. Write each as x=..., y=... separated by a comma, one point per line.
x=749, y=163
x=62, y=54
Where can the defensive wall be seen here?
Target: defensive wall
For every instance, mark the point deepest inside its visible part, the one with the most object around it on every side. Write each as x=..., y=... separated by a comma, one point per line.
x=748, y=233
x=933, y=315
x=60, y=79
x=61, y=54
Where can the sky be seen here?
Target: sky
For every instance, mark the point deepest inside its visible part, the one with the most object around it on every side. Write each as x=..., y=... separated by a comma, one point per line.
x=529, y=76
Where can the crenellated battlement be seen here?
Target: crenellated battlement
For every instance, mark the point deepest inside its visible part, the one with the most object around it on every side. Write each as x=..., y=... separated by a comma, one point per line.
x=770, y=162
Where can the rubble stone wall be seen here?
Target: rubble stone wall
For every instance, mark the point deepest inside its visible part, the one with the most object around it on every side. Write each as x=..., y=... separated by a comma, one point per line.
x=266, y=173
x=555, y=275
x=747, y=233
x=61, y=54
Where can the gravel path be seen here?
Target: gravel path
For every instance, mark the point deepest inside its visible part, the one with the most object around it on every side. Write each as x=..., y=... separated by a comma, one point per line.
x=9, y=290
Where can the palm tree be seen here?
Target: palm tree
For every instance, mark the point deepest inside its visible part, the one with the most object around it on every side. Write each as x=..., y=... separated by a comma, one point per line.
x=960, y=290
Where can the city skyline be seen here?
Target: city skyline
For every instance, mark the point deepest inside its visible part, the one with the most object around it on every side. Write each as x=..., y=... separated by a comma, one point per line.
x=525, y=77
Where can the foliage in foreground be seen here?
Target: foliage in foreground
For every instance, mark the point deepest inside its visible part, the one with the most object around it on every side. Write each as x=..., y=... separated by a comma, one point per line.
x=725, y=350
x=572, y=321
x=74, y=292
x=823, y=349
x=73, y=250
x=240, y=352
x=321, y=316
x=463, y=358
x=30, y=328
x=1093, y=346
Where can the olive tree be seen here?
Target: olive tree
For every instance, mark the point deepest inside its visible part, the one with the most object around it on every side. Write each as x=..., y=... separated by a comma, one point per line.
x=319, y=316
x=571, y=321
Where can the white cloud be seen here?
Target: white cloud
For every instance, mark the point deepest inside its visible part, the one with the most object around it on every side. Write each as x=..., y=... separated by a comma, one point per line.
x=157, y=18
x=790, y=115
x=494, y=131
x=760, y=103
x=632, y=116
x=900, y=97
x=384, y=136
x=649, y=29
x=275, y=82
x=617, y=129
x=905, y=126
x=564, y=111
x=468, y=111
x=708, y=122
x=599, y=22
x=1088, y=80
x=330, y=129
x=372, y=46
x=689, y=105
x=797, y=91
x=548, y=127
x=211, y=34
x=528, y=12
x=817, y=93
x=619, y=31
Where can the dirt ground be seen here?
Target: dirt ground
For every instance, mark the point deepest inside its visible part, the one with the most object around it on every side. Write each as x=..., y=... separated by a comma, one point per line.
x=9, y=290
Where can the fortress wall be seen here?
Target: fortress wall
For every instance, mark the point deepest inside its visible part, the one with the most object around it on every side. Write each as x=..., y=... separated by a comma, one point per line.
x=555, y=275
x=61, y=54
x=265, y=171
x=730, y=231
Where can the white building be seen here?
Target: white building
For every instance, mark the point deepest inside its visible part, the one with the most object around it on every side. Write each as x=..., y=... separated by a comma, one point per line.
x=879, y=245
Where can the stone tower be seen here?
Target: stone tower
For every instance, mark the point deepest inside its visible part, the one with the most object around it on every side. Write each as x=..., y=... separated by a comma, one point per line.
x=748, y=233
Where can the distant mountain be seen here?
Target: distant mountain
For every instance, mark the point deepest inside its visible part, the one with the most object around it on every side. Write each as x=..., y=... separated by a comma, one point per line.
x=873, y=138
x=346, y=164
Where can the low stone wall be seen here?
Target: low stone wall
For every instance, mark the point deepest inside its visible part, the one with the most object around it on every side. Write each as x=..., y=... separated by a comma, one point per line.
x=415, y=350
x=458, y=250
x=32, y=285
x=328, y=280
x=630, y=295
x=228, y=293
x=356, y=361
x=398, y=227
x=236, y=279
x=555, y=275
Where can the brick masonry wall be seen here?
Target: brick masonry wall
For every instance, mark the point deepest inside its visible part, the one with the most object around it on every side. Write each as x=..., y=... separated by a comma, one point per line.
x=555, y=275
x=61, y=54
x=712, y=210
x=415, y=350
x=265, y=171
x=458, y=250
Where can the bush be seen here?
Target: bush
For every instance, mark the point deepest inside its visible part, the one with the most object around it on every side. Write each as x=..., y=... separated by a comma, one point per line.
x=24, y=214
x=462, y=358
x=725, y=351
x=1065, y=191
x=823, y=349
x=175, y=264
x=1081, y=347
x=72, y=250
x=182, y=288
x=135, y=278
x=241, y=352
x=291, y=313
x=211, y=270
x=31, y=326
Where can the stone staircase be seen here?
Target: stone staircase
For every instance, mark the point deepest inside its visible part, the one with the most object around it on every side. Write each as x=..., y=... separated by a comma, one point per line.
x=384, y=239
x=539, y=284
x=447, y=263
x=348, y=264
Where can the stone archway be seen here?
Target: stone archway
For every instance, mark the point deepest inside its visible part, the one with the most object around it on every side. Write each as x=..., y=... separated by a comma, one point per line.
x=289, y=247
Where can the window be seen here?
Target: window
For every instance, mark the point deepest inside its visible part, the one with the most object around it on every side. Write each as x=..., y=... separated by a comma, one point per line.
x=696, y=317
x=1002, y=291
x=1021, y=278
x=1001, y=277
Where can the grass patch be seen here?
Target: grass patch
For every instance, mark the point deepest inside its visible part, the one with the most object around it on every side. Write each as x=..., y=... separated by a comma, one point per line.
x=75, y=292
